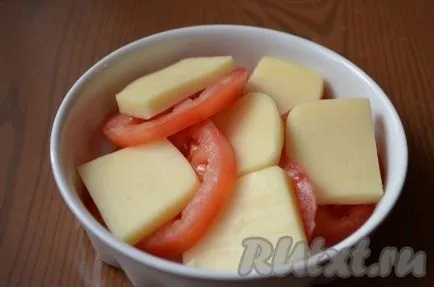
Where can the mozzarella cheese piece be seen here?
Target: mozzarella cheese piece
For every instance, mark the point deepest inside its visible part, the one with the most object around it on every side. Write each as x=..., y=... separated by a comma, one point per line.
x=335, y=142
x=158, y=91
x=138, y=189
x=287, y=83
x=263, y=205
x=254, y=128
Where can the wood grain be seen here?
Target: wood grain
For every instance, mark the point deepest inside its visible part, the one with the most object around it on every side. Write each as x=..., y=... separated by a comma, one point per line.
x=46, y=45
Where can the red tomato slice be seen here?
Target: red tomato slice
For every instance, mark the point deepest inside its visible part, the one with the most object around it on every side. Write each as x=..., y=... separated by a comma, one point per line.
x=214, y=160
x=304, y=191
x=336, y=222
x=124, y=130
x=303, y=187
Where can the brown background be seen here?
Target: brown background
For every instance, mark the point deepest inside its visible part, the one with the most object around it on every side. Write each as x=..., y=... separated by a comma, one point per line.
x=45, y=45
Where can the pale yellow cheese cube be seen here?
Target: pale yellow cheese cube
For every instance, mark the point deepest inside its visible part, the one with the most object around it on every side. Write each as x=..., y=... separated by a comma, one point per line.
x=138, y=189
x=289, y=84
x=254, y=128
x=158, y=91
x=335, y=142
x=263, y=205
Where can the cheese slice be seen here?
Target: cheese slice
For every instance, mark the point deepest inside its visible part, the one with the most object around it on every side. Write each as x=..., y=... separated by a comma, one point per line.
x=262, y=206
x=287, y=83
x=158, y=91
x=254, y=128
x=335, y=142
x=130, y=188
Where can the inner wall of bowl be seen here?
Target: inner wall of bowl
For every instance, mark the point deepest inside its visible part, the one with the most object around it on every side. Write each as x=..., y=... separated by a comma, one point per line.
x=93, y=98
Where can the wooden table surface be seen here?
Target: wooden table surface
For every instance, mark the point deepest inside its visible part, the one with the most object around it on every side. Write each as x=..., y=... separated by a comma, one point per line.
x=46, y=45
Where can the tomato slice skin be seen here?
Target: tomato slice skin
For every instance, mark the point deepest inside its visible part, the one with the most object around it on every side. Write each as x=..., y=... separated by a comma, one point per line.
x=304, y=191
x=336, y=222
x=214, y=160
x=124, y=130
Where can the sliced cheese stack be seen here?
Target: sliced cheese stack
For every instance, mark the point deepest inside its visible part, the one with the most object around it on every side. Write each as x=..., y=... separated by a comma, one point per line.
x=287, y=83
x=254, y=128
x=335, y=142
x=158, y=91
x=263, y=205
x=131, y=190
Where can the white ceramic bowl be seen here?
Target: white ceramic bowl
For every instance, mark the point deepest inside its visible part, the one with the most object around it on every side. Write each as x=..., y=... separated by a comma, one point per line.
x=91, y=99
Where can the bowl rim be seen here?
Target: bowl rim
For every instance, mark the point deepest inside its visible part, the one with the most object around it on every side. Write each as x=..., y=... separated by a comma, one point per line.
x=178, y=269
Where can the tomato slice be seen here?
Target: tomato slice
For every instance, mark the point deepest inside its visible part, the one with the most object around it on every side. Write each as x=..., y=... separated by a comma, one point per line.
x=124, y=130
x=304, y=191
x=303, y=187
x=214, y=160
x=336, y=222
x=331, y=222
